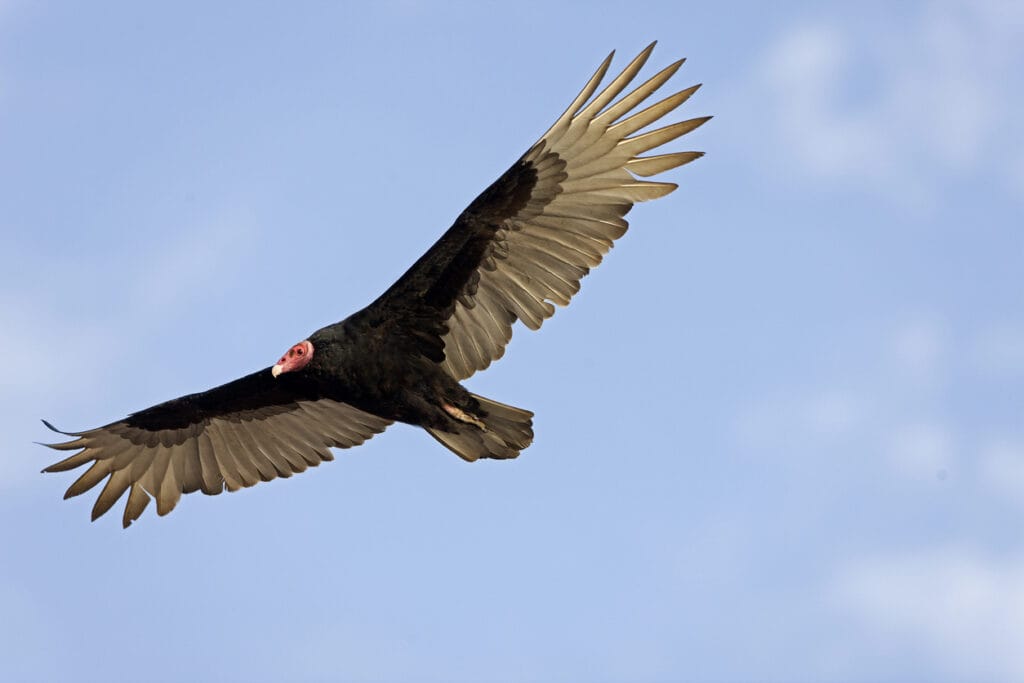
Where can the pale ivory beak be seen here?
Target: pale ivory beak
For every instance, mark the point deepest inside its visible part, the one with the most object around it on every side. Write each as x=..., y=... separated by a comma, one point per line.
x=276, y=370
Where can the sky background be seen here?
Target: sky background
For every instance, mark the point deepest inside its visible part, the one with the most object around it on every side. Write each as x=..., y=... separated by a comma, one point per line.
x=779, y=434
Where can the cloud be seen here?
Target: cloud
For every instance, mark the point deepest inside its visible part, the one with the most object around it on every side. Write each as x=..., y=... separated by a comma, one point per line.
x=919, y=346
x=185, y=265
x=48, y=350
x=889, y=408
x=26, y=641
x=963, y=610
x=922, y=451
x=1002, y=468
x=1016, y=180
x=955, y=611
x=801, y=420
x=56, y=344
x=998, y=349
x=6, y=9
x=899, y=109
x=869, y=403
x=805, y=69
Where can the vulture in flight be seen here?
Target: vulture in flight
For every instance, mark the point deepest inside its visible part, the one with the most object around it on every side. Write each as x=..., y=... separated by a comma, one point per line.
x=519, y=248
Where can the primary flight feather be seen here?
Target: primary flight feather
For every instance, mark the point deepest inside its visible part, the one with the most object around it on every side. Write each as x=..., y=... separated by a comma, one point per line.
x=520, y=247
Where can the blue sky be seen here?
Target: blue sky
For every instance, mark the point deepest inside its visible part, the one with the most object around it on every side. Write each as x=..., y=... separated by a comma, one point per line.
x=779, y=433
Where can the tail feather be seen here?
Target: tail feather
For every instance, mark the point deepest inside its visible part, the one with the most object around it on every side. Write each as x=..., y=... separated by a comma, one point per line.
x=508, y=431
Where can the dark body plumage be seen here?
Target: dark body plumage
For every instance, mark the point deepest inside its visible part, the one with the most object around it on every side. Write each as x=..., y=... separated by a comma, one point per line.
x=521, y=246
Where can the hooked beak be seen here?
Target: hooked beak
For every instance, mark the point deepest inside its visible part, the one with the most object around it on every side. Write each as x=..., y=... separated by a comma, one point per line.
x=276, y=370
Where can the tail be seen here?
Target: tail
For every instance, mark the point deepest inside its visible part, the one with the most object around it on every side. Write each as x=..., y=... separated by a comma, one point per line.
x=507, y=430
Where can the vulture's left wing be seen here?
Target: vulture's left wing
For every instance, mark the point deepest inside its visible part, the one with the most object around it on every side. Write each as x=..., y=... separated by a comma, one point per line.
x=527, y=240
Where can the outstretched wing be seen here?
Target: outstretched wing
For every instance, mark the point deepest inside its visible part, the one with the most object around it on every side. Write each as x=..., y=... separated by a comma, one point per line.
x=254, y=429
x=525, y=242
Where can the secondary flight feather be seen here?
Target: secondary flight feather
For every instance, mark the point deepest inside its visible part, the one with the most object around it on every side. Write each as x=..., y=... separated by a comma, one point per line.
x=515, y=252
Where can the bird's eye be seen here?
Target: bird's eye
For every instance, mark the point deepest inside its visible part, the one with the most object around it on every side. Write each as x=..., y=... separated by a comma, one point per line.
x=291, y=353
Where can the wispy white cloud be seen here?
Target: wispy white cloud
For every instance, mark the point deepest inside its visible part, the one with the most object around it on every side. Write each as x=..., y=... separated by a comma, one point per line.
x=28, y=336
x=963, y=609
x=879, y=404
x=923, y=450
x=959, y=605
x=7, y=8
x=186, y=262
x=898, y=108
x=815, y=419
x=27, y=639
x=918, y=347
x=1016, y=178
x=54, y=346
x=998, y=349
x=1002, y=467
x=887, y=409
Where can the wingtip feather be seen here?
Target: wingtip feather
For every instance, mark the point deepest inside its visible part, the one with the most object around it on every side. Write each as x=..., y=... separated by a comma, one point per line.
x=649, y=166
x=59, y=431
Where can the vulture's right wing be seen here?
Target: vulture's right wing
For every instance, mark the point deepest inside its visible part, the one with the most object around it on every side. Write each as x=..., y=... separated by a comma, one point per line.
x=253, y=429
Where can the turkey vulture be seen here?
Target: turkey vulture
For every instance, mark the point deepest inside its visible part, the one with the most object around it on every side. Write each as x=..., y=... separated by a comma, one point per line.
x=520, y=247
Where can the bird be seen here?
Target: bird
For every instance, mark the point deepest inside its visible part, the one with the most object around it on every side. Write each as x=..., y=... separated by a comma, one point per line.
x=518, y=250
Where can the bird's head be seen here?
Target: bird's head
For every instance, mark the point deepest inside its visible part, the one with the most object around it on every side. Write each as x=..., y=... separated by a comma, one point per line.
x=296, y=358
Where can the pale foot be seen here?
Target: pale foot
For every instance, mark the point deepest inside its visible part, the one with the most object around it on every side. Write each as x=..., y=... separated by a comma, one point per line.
x=463, y=416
